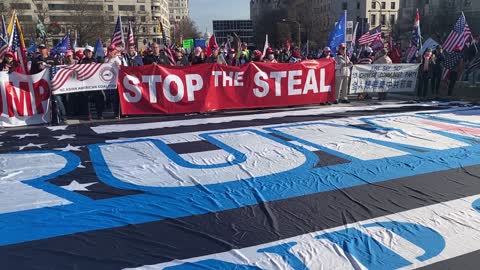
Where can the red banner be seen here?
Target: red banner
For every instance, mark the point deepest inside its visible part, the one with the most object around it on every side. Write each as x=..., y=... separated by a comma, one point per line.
x=158, y=89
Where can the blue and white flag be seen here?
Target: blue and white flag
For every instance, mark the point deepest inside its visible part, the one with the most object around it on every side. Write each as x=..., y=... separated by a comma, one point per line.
x=99, y=52
x=62, y=47
x=338, y=35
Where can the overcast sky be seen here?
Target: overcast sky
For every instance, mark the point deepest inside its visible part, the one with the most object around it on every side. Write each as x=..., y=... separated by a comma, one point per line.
x=204, y=11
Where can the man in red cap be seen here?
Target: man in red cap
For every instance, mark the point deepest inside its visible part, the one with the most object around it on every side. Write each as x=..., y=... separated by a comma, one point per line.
x=231, y=59
x=215, y=58
x=257, y=56
x=9, y=64
x=270, y=56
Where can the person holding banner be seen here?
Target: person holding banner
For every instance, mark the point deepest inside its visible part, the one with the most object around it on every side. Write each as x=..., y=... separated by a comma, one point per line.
x=9, y=64
x=132, y=58
x=438, y=69
x=157, y=57
x=113, y=57
x=231, y=59
x=181, y=60
x=198, y=56
x=215, y=58
x=382, y=57
x=270, y=56
x=342, y=74
x=426, y=72
x=43, y=61
x=327, y=53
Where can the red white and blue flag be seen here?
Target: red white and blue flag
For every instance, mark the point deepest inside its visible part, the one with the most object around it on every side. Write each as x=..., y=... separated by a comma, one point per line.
x=168, y=49
x=130, y=37
x=117, y=37
x=416, y=33
x=4, y=33
x=458, y=37
x=60, y=74
x=370, y=36
x=3, y=47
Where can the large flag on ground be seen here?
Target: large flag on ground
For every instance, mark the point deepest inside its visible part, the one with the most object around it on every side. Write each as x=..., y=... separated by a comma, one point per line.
x=62, y=47
x=339, y=34
x=130, y=37
x=117, y=37
x=370, y=36
x=457, y=38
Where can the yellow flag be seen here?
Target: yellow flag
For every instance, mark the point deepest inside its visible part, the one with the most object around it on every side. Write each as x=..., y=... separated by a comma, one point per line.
x=13, y=20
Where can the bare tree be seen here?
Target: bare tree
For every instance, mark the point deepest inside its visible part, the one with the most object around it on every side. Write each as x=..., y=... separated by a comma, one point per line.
x=187, y=28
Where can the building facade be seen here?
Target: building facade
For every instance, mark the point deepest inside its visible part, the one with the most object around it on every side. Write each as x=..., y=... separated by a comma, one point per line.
x=91, y=19
x=222, y=29
x=317, y=18
x=437, y=17
x=178, y=10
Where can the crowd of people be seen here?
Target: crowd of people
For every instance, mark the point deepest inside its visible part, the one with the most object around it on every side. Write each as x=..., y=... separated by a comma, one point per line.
x=432, y=64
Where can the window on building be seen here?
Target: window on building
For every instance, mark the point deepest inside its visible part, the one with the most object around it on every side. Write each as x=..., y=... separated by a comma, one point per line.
x=142, y=8
x=358, y=5
x=20, y=5
x=374, y=5
x=143, y=19
x=344, y=5
x=392, y=5
x=392, y=19
x=373, y=20
x=110, y=7
x=25, y=18
x=126, y=7
x=384, y=5
x=383, y=19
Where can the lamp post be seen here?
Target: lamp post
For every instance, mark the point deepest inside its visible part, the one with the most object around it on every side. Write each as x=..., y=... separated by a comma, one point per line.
x=299, y=33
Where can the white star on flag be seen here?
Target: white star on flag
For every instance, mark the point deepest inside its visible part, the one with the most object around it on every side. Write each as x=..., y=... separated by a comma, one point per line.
x=30, y=145
x=23, y=136
x=2, y=132
x=65, y=137
x=69, y=148
x=81, y=166
x=75, y=186
x=1, y=144
x=56, y=128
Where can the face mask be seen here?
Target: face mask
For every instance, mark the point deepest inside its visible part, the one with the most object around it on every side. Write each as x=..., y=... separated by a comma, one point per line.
x=232, y=55
x=271, y=56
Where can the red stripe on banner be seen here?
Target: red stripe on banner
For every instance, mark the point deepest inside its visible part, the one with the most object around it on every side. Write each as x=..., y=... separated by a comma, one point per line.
x=60, y=78
x=90, y=72
x=160, y=89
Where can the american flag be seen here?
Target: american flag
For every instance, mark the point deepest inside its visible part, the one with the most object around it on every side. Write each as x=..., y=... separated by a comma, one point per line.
x=130, y=37
x=60, y=74
x=416, y=34
x=117, y=37
x=370, y=36
x=168, y=48
x=3, y=47
x=4, y=33
x=457, y=38
x=14, y=41
x=459, y=35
